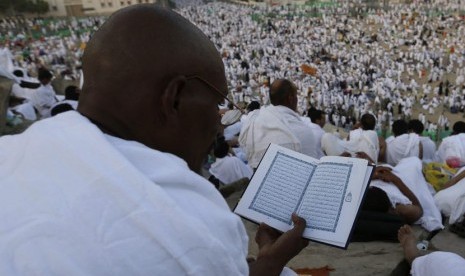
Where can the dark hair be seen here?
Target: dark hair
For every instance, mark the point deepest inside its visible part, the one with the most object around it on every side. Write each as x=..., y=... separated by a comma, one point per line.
x=368, y=121
x=416, y=126
x=44, y=74
x=399, y=127
x=18, y=73
x=315, y=114
x=71, y=93
x=221, y=148
x=60, y=108
x=459, y=127
x=376, y=200
x=253, y=105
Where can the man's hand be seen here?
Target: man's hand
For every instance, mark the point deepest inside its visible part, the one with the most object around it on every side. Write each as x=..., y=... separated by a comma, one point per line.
x=363, y=155
x=385, y=174
x=276, y=249
x=346, y=154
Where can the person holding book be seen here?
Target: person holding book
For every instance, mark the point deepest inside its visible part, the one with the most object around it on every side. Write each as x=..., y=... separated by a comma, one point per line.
x=106, y=191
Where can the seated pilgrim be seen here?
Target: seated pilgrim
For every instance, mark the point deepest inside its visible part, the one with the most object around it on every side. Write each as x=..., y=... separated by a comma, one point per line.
x=403, y=144
x=452, y=146
x=427, y=145
x=228, y=168
x=69, y=103
x=362, y=142
x=278, y=123
x=251, y=107
x=44, y=97
x=232, y=123
x=20, y=98
x=316, y=122
x=451, y=199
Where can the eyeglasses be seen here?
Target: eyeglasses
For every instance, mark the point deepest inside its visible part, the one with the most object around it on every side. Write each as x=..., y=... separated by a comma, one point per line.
x=217, y=91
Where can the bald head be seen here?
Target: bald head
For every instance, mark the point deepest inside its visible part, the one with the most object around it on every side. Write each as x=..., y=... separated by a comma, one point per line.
x=136, y=72
x=283, y=92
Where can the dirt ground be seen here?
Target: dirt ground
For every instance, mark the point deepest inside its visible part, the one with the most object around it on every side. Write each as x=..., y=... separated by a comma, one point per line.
x=361, y=258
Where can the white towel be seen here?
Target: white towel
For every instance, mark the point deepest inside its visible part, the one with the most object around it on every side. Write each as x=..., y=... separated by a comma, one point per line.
x=402, y=146
x=438, y=263
x=263, y=127
x=77, y=202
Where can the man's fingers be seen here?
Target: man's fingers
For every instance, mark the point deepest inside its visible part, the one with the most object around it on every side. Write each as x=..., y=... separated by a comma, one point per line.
x=299, y=223
x=265, y=235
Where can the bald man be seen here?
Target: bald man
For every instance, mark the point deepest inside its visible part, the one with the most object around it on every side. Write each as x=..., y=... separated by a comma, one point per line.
x=108, y=191
x=278, y=123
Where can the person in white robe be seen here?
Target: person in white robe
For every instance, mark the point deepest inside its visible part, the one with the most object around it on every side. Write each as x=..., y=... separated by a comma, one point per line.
x=361, y=141
x=107, y=191
x=316, y=124
x=428, y=146
x=277, y=123
x=451, y=199
x=231, y=121
x=452, y=146
x=44, y=97
x=228, y=168
x=403, y=145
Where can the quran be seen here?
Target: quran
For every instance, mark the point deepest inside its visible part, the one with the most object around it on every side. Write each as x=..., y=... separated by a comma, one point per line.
x=327, y=193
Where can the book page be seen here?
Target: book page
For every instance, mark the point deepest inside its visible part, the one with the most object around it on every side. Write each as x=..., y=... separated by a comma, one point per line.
x=333, y=198
x=277, y=187
x=326, y=193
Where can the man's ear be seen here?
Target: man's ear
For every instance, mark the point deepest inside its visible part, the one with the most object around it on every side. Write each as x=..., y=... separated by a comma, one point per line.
x=171, y=97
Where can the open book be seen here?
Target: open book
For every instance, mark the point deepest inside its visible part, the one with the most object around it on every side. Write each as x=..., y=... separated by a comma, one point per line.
x=327, y=193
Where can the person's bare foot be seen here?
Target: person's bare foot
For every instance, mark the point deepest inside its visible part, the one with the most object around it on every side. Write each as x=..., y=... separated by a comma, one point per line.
x=409, y=243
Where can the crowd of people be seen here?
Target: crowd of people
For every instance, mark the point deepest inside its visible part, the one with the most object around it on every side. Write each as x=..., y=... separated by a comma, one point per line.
x=405, y=62
x=133, y=156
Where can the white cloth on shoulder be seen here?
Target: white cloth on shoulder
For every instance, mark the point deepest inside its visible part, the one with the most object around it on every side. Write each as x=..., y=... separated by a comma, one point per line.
x=409, y=170
x=318, y=133
x=275, y=124
x=451, y=201
x=77, y=202
x=332, y=145
x=363, y=141
x=402, y=146
x=429, y=149
x=359, y=141
x=438, y=263
x=452, y=146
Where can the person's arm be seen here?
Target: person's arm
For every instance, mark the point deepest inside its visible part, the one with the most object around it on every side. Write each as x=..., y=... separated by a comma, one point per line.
x=363, y=155
x=276, y=249
x=410, y=213
x=454, y=180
